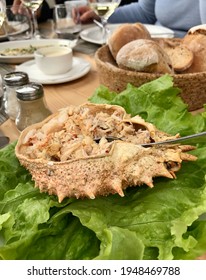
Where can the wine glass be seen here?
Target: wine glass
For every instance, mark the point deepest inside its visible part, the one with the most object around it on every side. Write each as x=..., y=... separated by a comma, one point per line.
x=33, y=6
x=2, y=12
x=104, y=9
x=18, y=23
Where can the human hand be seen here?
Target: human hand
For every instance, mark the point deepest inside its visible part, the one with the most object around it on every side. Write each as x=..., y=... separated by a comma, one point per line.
x=17, y=7
x=16, y=2
x=87, y=15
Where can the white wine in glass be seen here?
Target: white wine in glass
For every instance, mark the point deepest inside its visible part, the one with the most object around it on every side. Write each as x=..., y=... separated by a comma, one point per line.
x=2, y=12
x=33, y=6
x=104, y=9
x=2, y=17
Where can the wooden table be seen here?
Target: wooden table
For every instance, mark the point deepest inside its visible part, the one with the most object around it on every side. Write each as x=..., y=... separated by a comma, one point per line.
x=61, y=95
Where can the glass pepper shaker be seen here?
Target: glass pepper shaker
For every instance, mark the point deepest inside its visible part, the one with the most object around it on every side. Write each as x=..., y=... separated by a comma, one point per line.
x=11, y=82
x=32, y=106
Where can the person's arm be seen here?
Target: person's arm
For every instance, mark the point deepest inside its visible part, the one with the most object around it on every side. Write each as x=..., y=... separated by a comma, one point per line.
x=143, y=11
x=203, y=11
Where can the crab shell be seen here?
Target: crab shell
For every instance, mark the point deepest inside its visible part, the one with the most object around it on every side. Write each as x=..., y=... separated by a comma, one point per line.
x=124, y=164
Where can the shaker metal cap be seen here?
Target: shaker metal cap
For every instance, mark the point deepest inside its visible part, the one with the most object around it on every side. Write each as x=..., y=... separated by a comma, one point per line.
x=30, y=91
x=17, y=78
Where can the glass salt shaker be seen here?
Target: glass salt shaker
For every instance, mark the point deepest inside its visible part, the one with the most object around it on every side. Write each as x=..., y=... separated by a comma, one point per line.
x=11, y=82
x=32, y=106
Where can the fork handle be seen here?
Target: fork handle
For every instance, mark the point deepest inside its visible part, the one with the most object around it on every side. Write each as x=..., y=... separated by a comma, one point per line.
x=190, y=139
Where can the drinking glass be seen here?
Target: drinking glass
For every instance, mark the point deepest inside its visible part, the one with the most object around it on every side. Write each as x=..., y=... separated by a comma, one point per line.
x=2, y=12
x=33, y=6
x=67, y=20
x=18, y=24
x=104, y=9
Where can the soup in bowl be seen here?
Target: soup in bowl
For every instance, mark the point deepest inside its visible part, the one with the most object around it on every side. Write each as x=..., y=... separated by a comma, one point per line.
x=54, y=60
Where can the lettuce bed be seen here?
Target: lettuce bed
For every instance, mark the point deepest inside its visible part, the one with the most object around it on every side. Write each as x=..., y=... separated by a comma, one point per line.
x=166, y=222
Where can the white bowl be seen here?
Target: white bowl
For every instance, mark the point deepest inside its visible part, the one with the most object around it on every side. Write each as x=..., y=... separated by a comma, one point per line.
x=54, y=60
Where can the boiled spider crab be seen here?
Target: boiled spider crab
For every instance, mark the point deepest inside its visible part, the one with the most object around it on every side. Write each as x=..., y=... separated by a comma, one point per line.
x=65, y=160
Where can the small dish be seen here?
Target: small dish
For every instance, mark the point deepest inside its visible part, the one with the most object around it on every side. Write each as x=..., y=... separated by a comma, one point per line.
x=54, y=60
x=80, y=68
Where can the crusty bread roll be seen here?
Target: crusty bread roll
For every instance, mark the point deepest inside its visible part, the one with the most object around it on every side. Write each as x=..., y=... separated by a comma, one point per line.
x=180, y=55
x=144, y=55
x=126, y=33
x=195, y=40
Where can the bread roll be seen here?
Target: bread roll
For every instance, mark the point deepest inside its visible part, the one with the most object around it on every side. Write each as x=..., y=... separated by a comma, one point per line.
x=126, y=33
x=195, y=40
x=144, y=55
x=180, y=55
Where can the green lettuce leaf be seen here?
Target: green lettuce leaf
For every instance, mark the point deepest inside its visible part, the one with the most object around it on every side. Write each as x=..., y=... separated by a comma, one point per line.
x=31, y=229
x=165, y=222
x=159, y=216
x=11, y=172
x=157, y=102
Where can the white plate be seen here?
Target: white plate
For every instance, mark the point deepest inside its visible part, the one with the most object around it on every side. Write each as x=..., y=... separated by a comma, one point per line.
x=158, y=31
x=80, y=68
x=94, y=34
x=19, y=29
x=17, y=59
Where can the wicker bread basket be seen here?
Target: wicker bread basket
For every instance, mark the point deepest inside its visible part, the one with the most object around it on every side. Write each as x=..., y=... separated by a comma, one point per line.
x=193, y=85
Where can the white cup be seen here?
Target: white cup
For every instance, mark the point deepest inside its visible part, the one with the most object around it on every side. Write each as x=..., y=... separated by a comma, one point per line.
x=67, y=20
x=54, y=60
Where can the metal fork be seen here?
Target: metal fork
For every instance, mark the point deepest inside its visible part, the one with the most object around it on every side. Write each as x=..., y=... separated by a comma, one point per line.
x=189, y=139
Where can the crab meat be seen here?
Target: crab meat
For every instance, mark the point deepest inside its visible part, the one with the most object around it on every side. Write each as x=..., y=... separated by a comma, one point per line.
x=65, y=160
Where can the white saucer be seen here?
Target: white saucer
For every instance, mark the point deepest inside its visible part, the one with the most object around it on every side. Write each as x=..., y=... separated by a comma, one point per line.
x=80, y=68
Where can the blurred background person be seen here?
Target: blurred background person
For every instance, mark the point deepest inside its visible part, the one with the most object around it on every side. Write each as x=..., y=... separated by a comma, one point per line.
x=177, y=15
x=46, y=10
